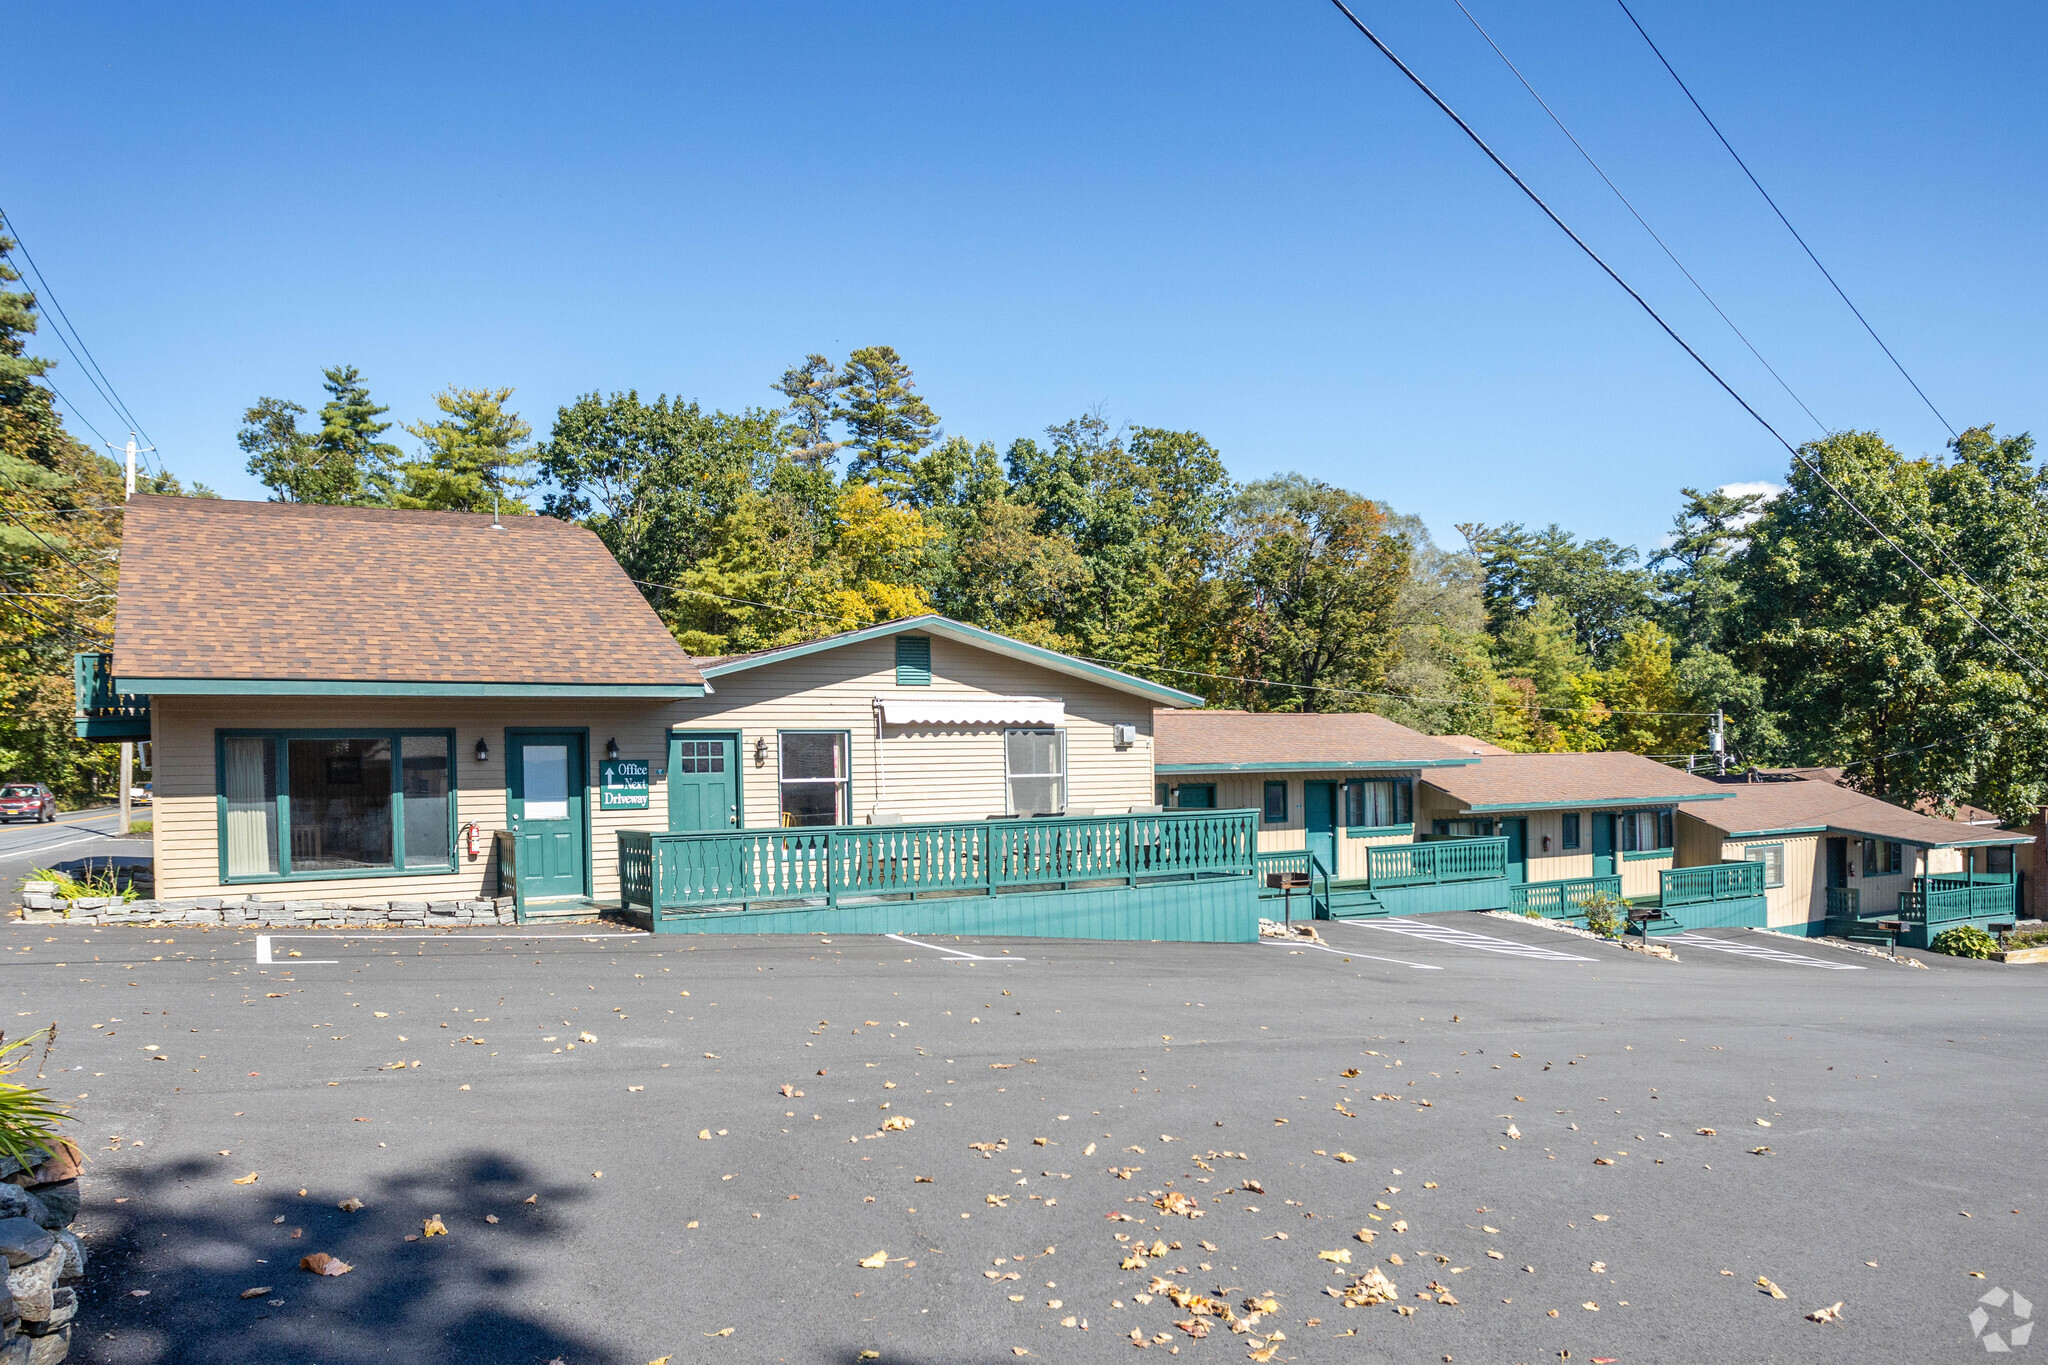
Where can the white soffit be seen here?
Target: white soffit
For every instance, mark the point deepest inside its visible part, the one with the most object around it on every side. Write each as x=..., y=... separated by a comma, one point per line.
x=936, y=711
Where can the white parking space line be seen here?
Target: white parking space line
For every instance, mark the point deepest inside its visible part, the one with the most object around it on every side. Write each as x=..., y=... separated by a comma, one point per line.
x=952, y=954
x=1453, y=937
x=1758, y=951
x=1347, y=956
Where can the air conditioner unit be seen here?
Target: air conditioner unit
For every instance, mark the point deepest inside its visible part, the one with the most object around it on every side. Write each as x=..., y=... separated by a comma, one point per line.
x=1126, y=735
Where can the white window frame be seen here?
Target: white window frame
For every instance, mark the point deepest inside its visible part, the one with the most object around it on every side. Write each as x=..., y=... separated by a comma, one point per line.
x=1774, y=864
x=1060, y=751
x=843, y=810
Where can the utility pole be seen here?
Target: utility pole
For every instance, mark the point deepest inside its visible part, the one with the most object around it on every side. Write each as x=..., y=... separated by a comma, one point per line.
x=1719, y=742
x=128, y=745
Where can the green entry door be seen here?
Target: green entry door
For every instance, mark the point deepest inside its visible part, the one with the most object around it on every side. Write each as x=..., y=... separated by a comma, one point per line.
x=703, y=783
x=1517, y=832
x=1319, y=820
x=547, y=802
x=1603, y=843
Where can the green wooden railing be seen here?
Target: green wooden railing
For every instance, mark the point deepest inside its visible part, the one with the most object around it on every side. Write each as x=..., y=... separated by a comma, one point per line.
x=1560, y=899
x=1449, y=860
x=1944, y=899
x=1299, y=861
x=1715, y=882
x=1844, y=902
x=98, y=711
x=687, y=872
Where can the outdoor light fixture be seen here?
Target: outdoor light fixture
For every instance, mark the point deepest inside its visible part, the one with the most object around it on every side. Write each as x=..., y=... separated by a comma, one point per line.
x=483, y=752
x=760, y=752
x=611, y=748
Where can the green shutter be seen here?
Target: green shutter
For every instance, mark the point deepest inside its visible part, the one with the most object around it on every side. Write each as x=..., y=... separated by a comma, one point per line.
x=913, y=661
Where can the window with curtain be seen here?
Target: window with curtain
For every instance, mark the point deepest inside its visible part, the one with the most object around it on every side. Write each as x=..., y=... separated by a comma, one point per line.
x=1645, y=831
x=1463, y=829
x=813, y=774
x=1276, y=803
x=1772, y=856
x=249, y=791
x=1034, y=766
x=347, y=803
x=1377, y=804
x=1568, y=833
x=1882, y=857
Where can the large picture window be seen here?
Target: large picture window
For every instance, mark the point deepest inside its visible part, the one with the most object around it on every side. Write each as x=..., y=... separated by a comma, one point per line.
x=814, y=779
x=1881, y=857
x=330, y=803
x=1035, y=767
x=1376, y=805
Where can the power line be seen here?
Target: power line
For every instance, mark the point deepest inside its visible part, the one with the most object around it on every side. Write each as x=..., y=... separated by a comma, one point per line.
x=1668, y=330
x=113, y=399
x=1783, y=219
x=1637, y=215
x=2014, y=615
x=72, y=408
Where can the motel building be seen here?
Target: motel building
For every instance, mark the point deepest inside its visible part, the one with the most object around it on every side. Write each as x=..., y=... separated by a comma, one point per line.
x=363, y=715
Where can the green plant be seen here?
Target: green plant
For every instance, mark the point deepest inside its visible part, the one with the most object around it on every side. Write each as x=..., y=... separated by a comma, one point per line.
x=27, y=1118
x=1965, y=940
x=106, y=884
x=1603, y=911
x=141, y=827
x=1532, y=914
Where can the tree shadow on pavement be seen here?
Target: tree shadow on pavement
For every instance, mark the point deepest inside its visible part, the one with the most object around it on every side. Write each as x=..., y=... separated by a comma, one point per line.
x=438, y=1300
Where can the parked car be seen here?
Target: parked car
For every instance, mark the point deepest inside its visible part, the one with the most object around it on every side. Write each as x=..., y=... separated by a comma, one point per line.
x=27, y=801
x=140, y=796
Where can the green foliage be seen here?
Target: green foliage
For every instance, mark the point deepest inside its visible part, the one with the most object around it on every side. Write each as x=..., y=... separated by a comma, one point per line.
x=343, y=462
x=888, y=421
x=1965, y=940
x=1595, y=584
x=106, y=884
x=477, y=456
x=1605, y=913
x=28, y=1118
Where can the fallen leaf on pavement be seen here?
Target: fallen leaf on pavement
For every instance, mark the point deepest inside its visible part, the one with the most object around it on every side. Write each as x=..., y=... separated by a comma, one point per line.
x=876, y=1261
x=320, y=1263
x=721, y=1332
x=248, y=1179
x=1514, y=1132
x=1705, y=1132
x=1769, y=1288
x=1832, y=1314
x=257, y=1292
x=433, y=1227
x=1345, y=1157
x=1342, y=1256
x=350, y=1205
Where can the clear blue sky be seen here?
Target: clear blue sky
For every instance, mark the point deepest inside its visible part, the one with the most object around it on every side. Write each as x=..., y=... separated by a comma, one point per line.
x=1231, y=218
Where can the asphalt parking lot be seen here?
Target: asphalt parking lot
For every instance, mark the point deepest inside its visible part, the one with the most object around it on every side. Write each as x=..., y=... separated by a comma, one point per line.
x=1055, y=1092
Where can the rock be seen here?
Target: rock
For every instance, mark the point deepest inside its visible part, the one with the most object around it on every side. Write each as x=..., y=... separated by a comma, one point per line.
x=66, y=1163
x=60, y=1202
x=63, y=1308
x=34, y=1285
x=38, y=900
x=75, y=1256
x=20, y=1350
x=49, y=1350
x=23, y=1241
x=9, y=1167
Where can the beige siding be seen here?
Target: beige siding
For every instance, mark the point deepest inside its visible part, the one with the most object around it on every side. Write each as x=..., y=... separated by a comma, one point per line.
x=1247, y=791
x=940, y=774
x=1803, y=897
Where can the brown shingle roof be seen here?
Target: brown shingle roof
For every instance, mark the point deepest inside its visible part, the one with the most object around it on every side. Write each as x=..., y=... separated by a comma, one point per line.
x=214, y=589
x=1531, y=781
x=1472, y=745
x=1201, y=741
x=1765, y=807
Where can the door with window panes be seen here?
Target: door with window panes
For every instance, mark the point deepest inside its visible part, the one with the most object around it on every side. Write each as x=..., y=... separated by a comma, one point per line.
x=549, y=777
x=703, y=783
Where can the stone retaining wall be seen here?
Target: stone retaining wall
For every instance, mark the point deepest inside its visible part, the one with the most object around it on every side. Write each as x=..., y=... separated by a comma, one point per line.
x=39, y=902
x=45, y=1259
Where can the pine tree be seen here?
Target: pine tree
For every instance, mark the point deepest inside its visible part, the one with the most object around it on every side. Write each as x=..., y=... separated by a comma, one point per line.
x=812, y=390
x=888, y=420
x=476, y=456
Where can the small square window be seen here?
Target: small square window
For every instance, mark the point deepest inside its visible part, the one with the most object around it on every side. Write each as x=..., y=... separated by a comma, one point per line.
x=1570, y=836
x=1276, y=803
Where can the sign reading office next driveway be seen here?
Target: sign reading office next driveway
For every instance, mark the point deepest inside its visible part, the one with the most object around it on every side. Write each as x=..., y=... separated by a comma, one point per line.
x=622, y=784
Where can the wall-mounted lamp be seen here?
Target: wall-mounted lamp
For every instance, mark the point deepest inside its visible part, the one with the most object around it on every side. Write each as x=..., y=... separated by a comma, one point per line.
x=483, y=752
x=760, y=752
x=611, y=748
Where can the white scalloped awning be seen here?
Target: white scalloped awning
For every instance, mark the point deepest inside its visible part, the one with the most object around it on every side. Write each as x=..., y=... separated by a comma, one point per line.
x=937, y=711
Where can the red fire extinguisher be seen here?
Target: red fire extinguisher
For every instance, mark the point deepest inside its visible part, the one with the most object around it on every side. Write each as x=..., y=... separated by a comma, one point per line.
x=469, y=840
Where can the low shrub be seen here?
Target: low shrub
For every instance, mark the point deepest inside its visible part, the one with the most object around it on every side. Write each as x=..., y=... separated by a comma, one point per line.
x=1604, y=913
x=1965, y=940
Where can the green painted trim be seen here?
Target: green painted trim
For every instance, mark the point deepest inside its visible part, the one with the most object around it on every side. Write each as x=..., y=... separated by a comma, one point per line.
x=91, y=727
x=283, y=800
x=963, y=633
x=913, y=661
x=589, y=797
x=1604, y=803
x=1770, y=833
x=739, y=764
x=2001, y=839
x=1375, y=831
x=345, y=687
x=1645, y=855
x=1362, y=765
